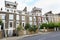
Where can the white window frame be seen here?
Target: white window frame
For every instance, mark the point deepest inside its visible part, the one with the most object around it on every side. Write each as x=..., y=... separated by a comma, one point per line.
x=17, y=24
x=2, y=16
x=30, y=23
x=23, y=17
x=12, y=17
x=17, y=17
x=30, y=18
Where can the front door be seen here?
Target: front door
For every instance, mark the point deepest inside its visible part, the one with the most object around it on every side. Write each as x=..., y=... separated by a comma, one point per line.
x=10, y=30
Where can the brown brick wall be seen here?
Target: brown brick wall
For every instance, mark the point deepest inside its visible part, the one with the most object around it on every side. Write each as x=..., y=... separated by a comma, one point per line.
x=6, y=20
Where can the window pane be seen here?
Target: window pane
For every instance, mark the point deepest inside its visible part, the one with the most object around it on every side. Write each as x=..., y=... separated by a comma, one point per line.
x=34, y=23
x=23, y=24
x=23, y=17
x=34, y=18
x=11, y=16
x=17, y=17
x=30, y=23
x=2, y=16
x=30, y=18
x=23, y=12
x=10, y=24
x=17, y=23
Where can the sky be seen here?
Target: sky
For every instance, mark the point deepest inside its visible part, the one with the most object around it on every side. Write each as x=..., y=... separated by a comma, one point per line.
x=45, y=5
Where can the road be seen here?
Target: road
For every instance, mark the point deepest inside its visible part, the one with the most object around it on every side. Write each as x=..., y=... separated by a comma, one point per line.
x=49, y=36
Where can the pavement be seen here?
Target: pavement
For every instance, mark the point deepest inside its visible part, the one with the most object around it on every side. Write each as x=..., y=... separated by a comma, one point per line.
x=20, y=37
x=48, y=36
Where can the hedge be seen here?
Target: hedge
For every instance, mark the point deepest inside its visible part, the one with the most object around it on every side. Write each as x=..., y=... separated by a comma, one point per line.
x=50, y=25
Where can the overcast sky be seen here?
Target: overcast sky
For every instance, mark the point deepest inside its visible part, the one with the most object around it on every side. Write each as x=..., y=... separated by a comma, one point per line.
x=46, y=5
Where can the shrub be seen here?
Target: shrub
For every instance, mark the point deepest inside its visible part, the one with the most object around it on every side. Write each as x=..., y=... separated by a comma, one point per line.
x=43, y=25
x=50, y=25
x=33, y=28
x=30, y=29
x=19, y=28
x=27, y=26
x=57, y=24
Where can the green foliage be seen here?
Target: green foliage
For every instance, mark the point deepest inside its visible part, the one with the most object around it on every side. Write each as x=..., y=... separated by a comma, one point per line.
x=27, y=26
x=0, y=22
x=33, y=28
x=30, y=29
x=49, y=25
x=57, y=24
x=43, y=25
x=19, y=28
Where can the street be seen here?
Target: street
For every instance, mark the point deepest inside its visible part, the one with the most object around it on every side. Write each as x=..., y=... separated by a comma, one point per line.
x=49, y=36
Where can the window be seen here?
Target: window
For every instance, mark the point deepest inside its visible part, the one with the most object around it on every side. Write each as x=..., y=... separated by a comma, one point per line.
x=7, y=10
x=17, y=17
x=17, y=23
x=34, y=23
x=11, y=16
x=23, y=12
x=14, y=5
x=23, y=24
x=30, y=18
x=2, y=16
x=11, y=10
x=23, y=17
x=30, y=23
x=10, y=24
x=8, y=5
x=34, y=18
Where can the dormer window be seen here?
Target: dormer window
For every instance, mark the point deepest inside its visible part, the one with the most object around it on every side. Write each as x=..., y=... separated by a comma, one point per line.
x=7, y=10
x=1, y=9
x=14, y=5
x=8, y=5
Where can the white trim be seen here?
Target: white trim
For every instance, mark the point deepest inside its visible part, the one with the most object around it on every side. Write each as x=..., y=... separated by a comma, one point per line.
x=10, y=29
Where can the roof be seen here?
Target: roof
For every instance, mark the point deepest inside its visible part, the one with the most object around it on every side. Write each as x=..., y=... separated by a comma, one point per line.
x=11, y=3
x=36, y=9
x=58, y=14
x=50, y=12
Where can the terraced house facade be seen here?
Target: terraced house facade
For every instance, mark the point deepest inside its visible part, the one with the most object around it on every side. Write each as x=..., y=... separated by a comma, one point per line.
x=12, y=17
